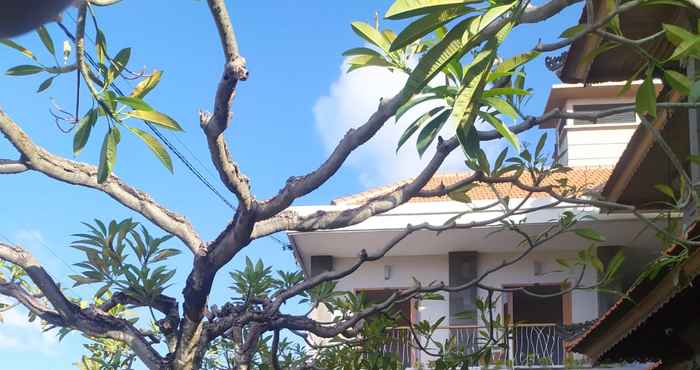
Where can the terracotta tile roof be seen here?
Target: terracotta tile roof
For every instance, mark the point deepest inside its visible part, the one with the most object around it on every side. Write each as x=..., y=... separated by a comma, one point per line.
x=588, y=178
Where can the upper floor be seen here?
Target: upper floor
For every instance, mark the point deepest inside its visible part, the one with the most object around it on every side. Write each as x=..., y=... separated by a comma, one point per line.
x=581, y=142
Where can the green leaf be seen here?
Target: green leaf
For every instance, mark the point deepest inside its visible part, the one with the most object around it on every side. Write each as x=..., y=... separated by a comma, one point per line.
x=694, y=158
x=614, y=264
x=666, y=190
x=540, y=144
x=685, y=48
x=18, y=47
x=463, y=110
x=498, y=91
x=563, y=262
x=147, y=84
x=46, y=84
x=646, y=97
x=678, y=81
x=614, y=23
x=108, y=155
x=461, y=194
x=155, y=117
x=502, y=129
x=695, y=91
x=410, y=8
x=80, y=280
x=371, y=34
x=572, y=31
x=590, y=234
x=430, y=131
x=412, y=103
x=82, y=134
x=155, y=146
x=425, y=25
x=118, y=64
x=360, y=61
x=469, y=139
x=102, y=290
x=166, y=253
x=46, y=39
x=597, y=264
x=676, y=35
x=516, y=61
x=415, y=125
x=24, y=70
x=101, y=47
x=501, y=105
x=449, y=48
x=477, y=24
x=361, y=51
x=134, y=103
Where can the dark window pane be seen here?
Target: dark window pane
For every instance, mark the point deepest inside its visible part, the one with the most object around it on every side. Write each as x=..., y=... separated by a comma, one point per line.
x=626, y=117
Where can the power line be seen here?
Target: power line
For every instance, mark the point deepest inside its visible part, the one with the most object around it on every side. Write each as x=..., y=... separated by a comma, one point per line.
x=157, y=132
x=41, y=242
x=170, y=146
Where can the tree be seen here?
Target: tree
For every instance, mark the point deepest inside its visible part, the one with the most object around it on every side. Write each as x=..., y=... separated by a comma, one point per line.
x=450, y=40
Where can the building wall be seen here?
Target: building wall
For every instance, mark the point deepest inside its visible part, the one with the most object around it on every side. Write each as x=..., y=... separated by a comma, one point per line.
x=584, y=303
x=435, y=268
x=403, y=269
x=594, y=144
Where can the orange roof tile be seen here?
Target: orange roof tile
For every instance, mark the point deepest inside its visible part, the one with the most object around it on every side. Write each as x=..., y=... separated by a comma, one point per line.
x=587, y=178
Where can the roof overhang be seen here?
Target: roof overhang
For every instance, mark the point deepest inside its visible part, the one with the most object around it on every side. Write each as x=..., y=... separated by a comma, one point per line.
x=656, y=309
x=643, y=164
x=377, y=231
x=620, y=63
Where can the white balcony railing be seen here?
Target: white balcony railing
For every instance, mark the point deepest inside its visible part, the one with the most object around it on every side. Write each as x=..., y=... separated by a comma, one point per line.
x=529, y=346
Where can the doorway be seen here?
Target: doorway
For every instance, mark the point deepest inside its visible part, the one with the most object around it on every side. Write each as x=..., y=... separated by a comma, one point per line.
x=536, y=316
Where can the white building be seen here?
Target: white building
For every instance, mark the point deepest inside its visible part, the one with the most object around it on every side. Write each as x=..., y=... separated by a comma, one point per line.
x=457, y=256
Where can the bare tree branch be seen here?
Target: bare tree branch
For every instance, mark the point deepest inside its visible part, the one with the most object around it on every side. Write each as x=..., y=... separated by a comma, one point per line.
x=201, y=278
x=71, y=172
x=215, y=124
x=300, y=186
x=8, y=166
x=274, y=348
x=67, y=314
x=590, y=28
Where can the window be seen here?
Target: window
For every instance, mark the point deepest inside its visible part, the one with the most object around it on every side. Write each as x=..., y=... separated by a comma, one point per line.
x=626, y=117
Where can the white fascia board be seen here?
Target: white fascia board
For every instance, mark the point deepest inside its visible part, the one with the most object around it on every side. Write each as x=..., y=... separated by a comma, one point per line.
x=437, y=213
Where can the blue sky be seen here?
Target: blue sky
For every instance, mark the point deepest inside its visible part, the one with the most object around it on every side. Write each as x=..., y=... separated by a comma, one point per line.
x=295, y=105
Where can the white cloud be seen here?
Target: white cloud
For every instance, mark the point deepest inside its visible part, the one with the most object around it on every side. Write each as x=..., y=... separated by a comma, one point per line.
x=18, y=334
x=353, y=98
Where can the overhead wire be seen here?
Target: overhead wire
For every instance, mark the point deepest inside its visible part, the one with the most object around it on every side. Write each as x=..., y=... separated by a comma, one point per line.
x=158, y=133
x=169, y=144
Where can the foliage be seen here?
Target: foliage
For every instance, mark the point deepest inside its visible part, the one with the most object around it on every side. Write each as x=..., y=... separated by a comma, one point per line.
x=451, y=53
x=109, y=104
x=107, y=262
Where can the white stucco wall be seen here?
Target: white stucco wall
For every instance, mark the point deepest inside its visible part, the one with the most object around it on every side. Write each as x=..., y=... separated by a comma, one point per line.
x=403, y=268
x=594, y=144
x=435, y=268
x=584, y=303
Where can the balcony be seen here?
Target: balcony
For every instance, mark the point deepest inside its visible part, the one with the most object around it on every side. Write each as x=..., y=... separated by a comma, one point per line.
x=522, y=346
